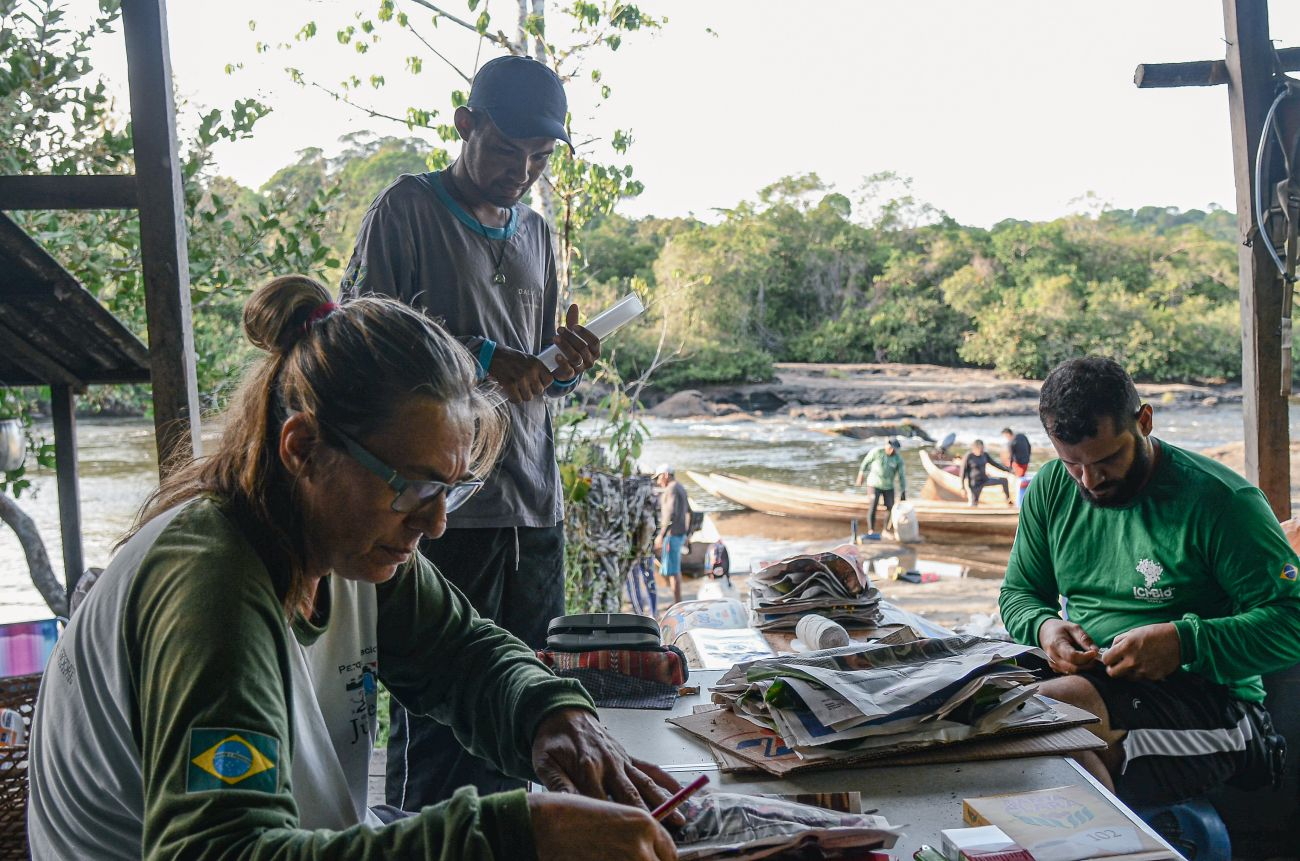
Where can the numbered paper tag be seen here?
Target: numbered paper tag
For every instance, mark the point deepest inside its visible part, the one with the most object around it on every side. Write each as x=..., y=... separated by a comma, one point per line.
x=1094, y=842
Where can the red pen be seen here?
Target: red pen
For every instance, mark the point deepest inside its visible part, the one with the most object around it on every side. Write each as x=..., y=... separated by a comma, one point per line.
x=682, y=794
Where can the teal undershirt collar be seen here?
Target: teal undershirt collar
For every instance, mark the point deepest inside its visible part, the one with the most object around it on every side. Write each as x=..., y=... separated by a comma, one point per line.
x=435, y=179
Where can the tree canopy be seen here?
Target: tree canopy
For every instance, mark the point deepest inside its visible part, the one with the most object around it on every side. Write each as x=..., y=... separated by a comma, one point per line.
x=803, y=274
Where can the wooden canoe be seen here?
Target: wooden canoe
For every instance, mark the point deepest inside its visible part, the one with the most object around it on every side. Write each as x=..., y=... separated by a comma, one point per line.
x=789, y=500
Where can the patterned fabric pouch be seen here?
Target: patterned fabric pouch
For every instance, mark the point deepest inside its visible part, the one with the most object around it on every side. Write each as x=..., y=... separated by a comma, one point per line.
x=624, y=678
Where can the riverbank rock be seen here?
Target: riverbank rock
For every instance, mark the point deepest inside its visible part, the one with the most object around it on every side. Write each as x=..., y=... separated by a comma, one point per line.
x=879, y=429
x=691, y=404
x=685, y=404
x=893, y=393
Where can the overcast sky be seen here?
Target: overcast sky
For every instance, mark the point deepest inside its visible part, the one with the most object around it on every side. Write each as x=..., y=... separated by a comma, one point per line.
x=996, y=108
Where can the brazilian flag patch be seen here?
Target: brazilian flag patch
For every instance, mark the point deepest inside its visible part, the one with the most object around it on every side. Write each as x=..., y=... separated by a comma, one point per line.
x=232, y=759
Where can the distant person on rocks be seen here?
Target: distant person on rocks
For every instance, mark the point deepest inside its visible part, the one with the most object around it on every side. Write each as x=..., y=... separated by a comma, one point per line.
x=674, y=526
x=881, y=468
x=974, y=475
x=1018, y=451
x=1181, y=588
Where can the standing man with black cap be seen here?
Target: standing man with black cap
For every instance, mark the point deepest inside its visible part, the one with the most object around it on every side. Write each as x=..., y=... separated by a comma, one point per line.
x=458, y=244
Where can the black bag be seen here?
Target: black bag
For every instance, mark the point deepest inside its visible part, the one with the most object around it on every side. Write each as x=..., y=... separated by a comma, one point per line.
x=1264, y=763
x=586, y=632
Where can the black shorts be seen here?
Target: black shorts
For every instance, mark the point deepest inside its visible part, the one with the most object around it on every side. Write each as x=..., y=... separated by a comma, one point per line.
x=1186, y=735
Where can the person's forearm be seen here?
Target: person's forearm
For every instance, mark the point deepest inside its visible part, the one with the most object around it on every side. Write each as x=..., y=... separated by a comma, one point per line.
x=439, y=657
x=466, y=828
x=1262, y=640
x=1023, y=614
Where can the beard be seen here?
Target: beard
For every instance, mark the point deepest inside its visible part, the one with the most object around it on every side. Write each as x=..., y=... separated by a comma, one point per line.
x=1121, y=491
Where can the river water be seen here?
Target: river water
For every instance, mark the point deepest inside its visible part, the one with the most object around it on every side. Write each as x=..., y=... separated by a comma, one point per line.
x=119, y=468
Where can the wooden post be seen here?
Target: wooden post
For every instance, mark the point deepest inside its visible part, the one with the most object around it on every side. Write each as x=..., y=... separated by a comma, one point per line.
x=1265, y=413
x=163, y=246
x=62, y=404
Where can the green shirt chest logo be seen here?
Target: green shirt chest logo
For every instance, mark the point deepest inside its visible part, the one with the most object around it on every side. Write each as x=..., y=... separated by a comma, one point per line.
x=232, y=759
x=1150, y=590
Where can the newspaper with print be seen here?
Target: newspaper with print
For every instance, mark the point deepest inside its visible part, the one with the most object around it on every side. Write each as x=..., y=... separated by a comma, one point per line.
x=842, y=701
x=833, y=584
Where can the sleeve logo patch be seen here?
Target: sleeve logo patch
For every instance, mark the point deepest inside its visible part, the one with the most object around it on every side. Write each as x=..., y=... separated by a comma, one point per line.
x=1289, y=573
x=232, y=759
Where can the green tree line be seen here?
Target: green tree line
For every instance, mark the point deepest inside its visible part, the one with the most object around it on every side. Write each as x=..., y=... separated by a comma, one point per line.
x=806, y=274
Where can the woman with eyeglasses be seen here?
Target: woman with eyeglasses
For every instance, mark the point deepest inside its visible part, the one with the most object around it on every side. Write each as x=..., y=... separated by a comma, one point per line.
x=214, y=696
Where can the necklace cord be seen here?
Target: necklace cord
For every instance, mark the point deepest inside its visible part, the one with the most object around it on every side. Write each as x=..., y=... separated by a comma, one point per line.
x=498, y=276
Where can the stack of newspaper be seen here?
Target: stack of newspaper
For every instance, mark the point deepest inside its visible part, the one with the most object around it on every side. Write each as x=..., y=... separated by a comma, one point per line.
x=865, y=696
x=833, y=584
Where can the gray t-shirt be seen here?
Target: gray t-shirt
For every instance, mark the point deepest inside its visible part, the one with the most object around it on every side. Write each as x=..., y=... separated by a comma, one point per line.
x=674, y=510
x=419, y=245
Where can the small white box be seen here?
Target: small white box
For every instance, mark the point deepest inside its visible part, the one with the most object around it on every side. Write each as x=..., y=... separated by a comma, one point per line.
x=985, y=838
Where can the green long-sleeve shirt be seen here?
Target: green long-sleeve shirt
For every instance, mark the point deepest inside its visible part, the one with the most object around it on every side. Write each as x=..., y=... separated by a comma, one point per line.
x=1198, y=547
x=182, y=717
x=881, y=470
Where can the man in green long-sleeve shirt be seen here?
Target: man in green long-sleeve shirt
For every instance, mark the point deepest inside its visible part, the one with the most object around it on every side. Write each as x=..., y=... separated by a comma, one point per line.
x=1178, y=587
x=881, y=467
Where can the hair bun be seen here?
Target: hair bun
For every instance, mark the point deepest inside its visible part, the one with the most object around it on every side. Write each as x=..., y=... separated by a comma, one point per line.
x=275, y=315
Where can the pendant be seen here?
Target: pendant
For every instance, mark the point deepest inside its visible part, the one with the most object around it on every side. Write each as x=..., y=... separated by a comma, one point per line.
x=499, y=278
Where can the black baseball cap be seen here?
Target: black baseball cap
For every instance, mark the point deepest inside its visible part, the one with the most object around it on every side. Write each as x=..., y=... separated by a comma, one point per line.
x=524, y=98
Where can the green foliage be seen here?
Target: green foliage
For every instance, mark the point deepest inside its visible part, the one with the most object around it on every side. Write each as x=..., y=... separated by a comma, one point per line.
x=55, y=118
x=703, y=365
x=803, y=273
x=607, y=435
x=1161, y=301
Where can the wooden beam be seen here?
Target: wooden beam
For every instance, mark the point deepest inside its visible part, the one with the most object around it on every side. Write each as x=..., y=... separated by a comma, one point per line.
x=1203, y=73
x=67, y=192
x=62, y=406
x=162, y=231
x=1250, y=92
x=37, y=362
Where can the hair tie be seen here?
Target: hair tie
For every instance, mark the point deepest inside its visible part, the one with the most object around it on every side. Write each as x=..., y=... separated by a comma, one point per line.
x=321, y=311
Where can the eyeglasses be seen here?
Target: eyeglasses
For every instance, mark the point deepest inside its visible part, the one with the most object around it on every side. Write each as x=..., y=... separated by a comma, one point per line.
x=410, y=495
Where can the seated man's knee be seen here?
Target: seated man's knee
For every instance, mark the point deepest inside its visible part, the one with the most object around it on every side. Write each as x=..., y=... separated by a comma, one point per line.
x=1075, y=690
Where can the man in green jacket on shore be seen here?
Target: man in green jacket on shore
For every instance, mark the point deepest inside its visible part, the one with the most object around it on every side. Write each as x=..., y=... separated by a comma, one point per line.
x=881, y=467
x=1160, y=585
